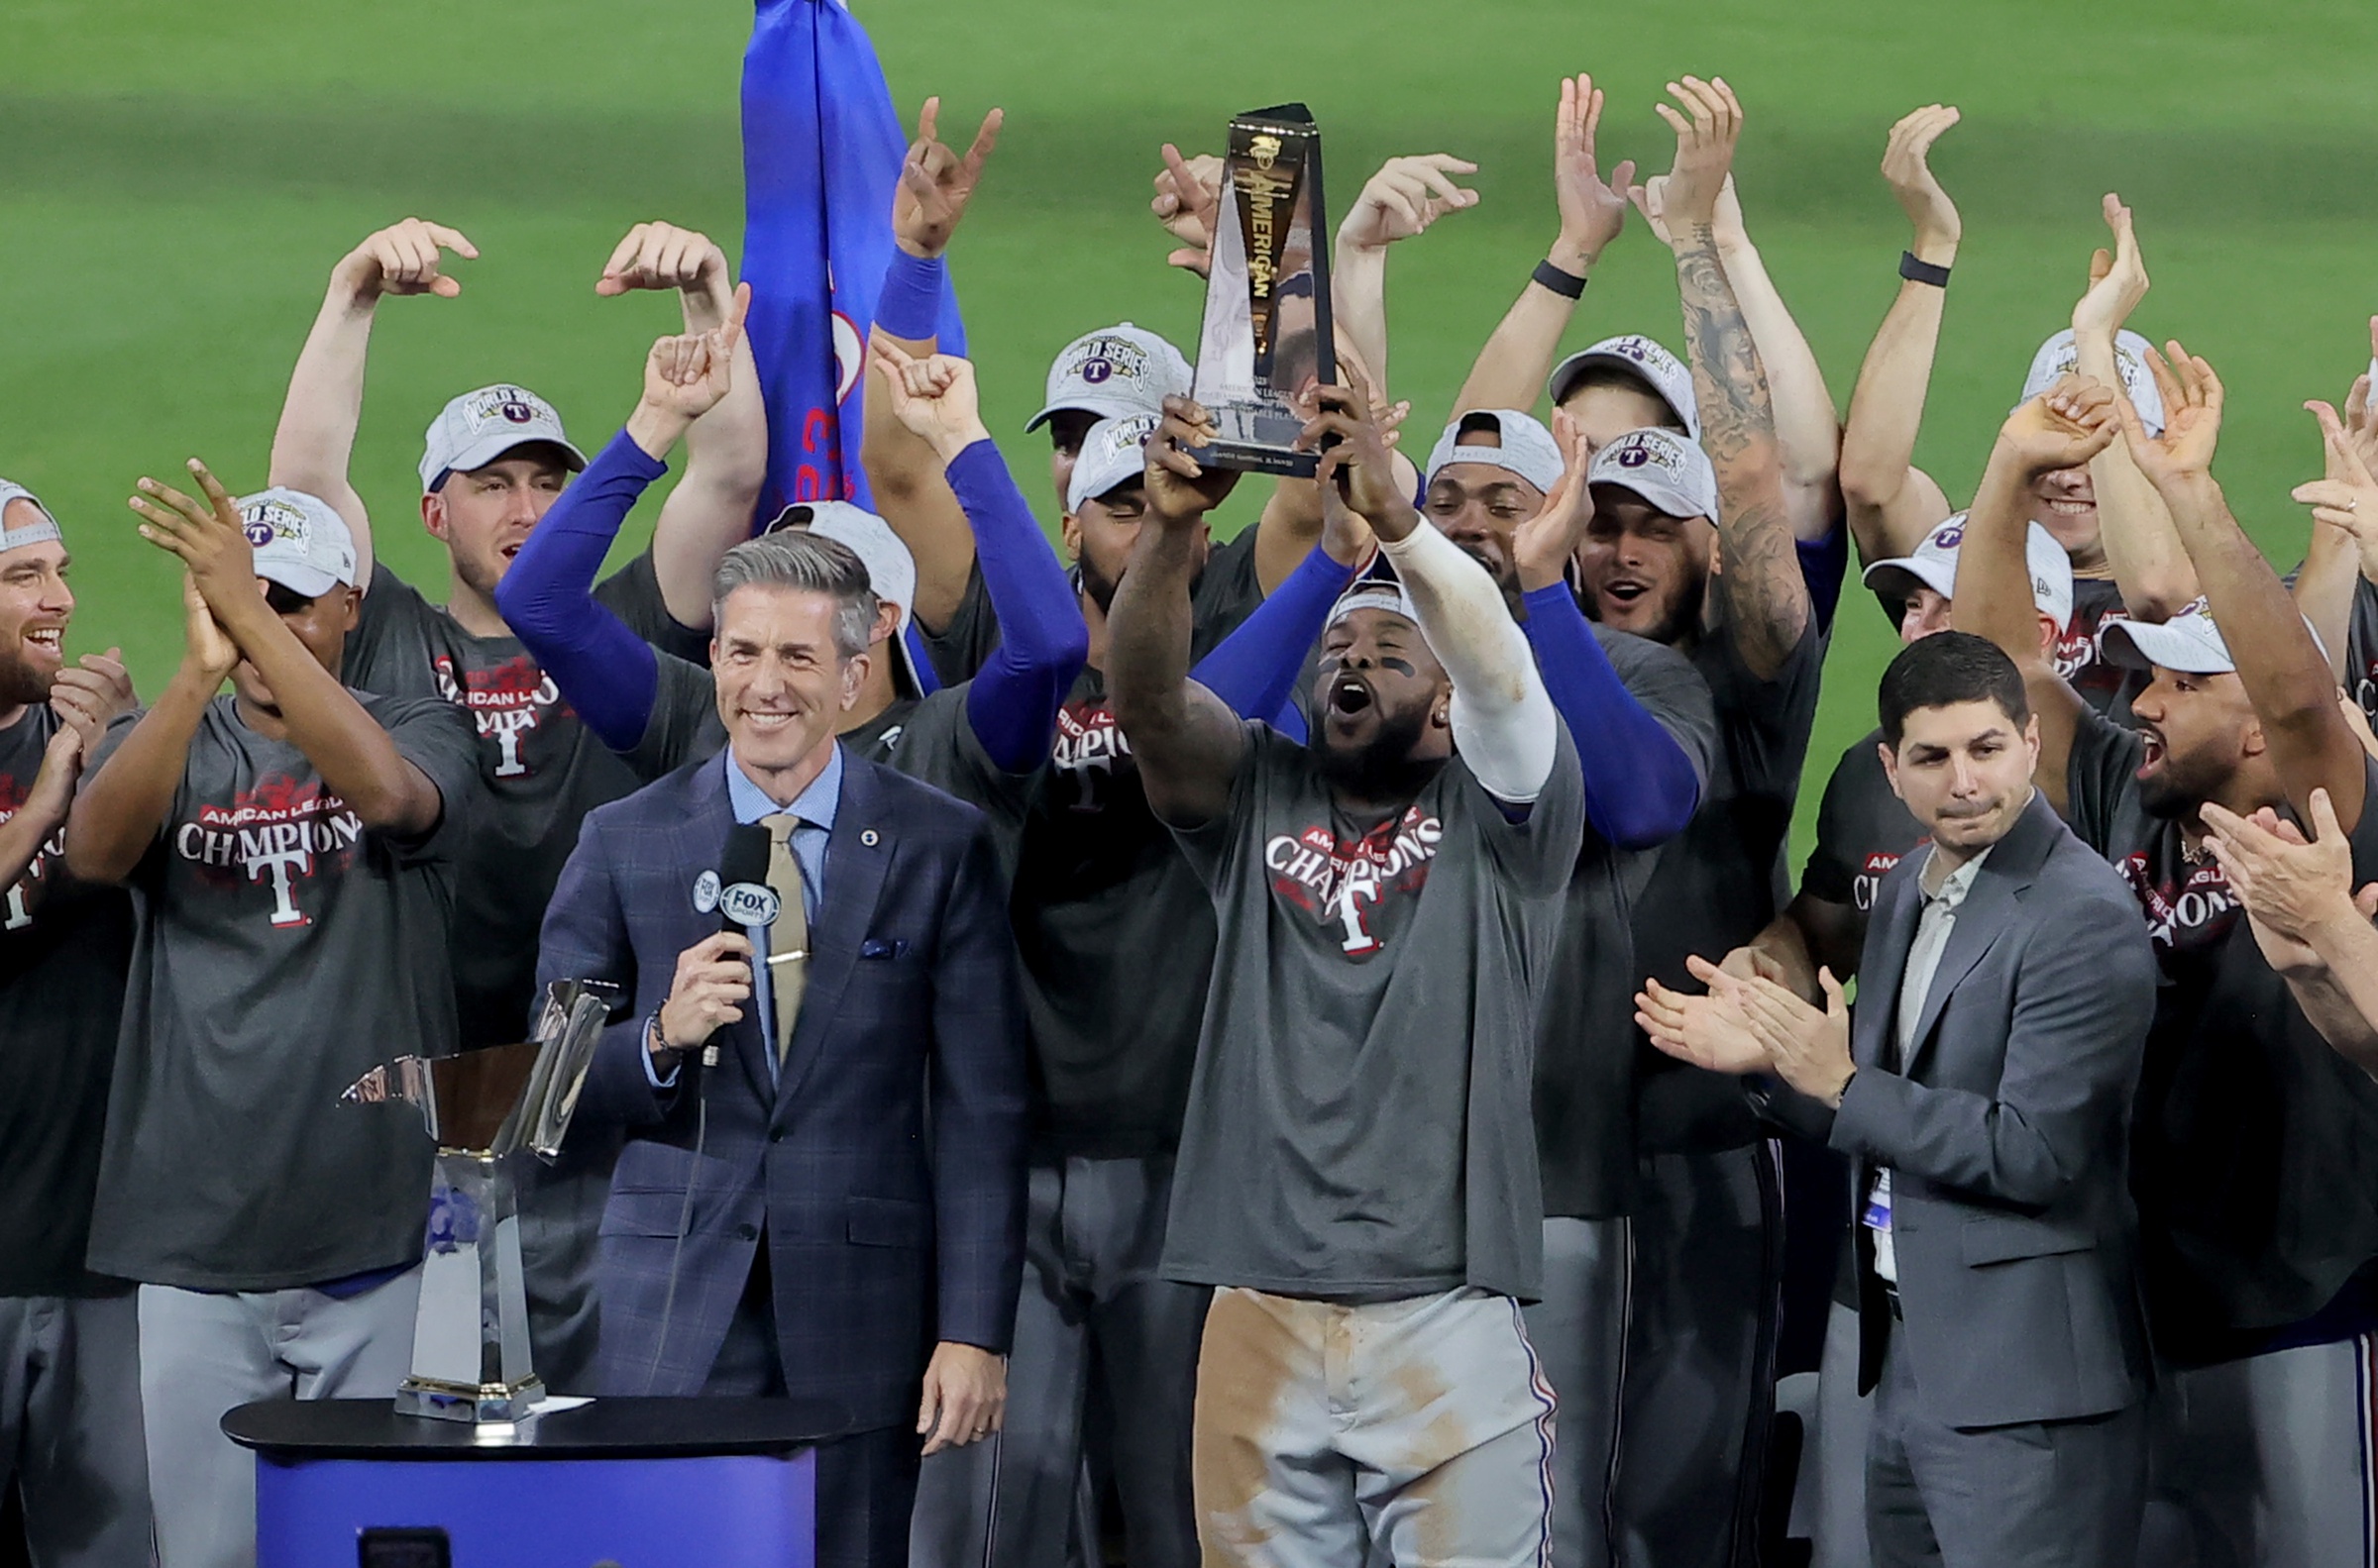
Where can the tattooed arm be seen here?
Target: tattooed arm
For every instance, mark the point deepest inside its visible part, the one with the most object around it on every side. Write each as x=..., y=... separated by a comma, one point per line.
x=1765, y=598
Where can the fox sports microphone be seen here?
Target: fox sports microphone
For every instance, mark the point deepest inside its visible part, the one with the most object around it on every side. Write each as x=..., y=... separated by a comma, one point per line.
x=746, y=903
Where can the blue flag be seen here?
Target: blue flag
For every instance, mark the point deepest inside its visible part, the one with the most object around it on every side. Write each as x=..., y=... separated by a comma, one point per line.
x=822, y=154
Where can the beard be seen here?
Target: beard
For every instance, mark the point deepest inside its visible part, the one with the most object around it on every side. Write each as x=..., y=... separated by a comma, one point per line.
x=2178, y=789
x=20, y=683
x=1382, y=768
x=1098, y=585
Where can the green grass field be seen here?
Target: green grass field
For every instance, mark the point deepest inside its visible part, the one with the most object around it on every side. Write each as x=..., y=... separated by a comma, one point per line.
x=176, y=181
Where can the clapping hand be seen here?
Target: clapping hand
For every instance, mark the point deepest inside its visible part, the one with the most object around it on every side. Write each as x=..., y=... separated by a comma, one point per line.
x=1592, y=210
x=2063, y=427
x=1906, y=166
x=2337, y=497
x=2192, y=414
x=2290, y=884
x=1543, y=546
x=1707, y=131
x=2118, y=281
x=208, y=537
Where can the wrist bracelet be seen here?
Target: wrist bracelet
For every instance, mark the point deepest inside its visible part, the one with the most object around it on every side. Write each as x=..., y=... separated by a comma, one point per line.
x=1568, y=286
x=660, y=1037
x=1917, y=272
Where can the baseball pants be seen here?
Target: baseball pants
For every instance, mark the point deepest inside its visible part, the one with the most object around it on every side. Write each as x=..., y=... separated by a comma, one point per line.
x=1097, y=1324
x=1698, y=1393
x=1844, y=1421
x=70, y=1428
x=2263, y=1462
x=202, y=1354
x=1416, y=1431
x=1580, y=1331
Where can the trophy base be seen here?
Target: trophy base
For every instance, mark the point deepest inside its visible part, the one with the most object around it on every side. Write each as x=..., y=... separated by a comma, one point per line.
x=482, y=1403
x=1246, y=456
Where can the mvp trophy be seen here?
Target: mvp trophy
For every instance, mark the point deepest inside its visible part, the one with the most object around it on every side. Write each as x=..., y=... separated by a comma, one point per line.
x=1266, y=333
x=471, y=1333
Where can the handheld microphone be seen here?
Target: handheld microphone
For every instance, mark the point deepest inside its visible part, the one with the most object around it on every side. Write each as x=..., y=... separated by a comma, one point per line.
x=746, y=903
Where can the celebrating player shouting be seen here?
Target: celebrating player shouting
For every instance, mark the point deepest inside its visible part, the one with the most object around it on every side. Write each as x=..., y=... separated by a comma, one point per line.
x=1357, y=1171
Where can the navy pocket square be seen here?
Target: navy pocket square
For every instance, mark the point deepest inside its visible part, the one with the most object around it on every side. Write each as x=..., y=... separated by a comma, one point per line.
x=878, y=947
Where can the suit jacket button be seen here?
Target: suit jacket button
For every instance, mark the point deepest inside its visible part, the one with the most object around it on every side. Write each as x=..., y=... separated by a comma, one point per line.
x=747, y=1232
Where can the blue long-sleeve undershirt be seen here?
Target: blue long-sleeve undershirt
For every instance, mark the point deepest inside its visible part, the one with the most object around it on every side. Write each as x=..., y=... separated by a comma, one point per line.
x=1254, y=668
x=1042, y=644
x=610, y=675
x=1640, y=785
x=602, y=669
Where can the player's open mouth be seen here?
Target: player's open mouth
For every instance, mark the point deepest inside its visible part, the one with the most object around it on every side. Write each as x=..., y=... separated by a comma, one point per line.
x=49, y=639
x=511, y=550
x=1348, y=695
x=2151, y=752
x=2072, y=508
x=1624, y=590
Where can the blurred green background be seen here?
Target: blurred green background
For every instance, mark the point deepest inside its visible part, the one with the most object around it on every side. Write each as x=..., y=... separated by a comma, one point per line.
x=177, y=180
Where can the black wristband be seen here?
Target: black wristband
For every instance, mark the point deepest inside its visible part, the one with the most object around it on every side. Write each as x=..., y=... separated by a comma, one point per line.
x=1568, y=286
x=1917, y=272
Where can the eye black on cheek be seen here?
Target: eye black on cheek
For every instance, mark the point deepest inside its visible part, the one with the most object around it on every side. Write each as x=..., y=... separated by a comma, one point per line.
x=1397, y=664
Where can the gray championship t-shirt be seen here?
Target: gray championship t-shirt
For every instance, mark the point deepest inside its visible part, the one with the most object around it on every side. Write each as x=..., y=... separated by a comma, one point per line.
x=282, y=951
x=65, y=948
x=1721, y=880
x=1359, y=1124
x=541, y=768
x=2254, y=1146
x=1585, y=1046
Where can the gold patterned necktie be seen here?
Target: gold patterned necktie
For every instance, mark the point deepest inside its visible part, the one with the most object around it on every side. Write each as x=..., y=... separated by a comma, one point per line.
x=788, y=935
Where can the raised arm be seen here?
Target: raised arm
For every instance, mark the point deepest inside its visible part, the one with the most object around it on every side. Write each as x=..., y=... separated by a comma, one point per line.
x=1807, y=426
x=1510, y=371
x=1891, y=503
x=315, y=438
x=2149, y=566
x=1765, y=598
x=1399, y=202
x=357, y=758
x=601, y=668
x=2060, y=428
x=2285, y=676
x=726, y=448
x=120, y=809
x=2344, y=538
x=1188, y=742
x=1013, y=701
x=935, y=186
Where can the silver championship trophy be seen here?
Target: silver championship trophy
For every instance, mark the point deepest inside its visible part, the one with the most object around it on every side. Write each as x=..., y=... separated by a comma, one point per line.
x=471, y=1333
x=1266, y=335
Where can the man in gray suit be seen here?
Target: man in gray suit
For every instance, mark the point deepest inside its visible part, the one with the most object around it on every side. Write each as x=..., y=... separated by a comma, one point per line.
x=1984, y=1093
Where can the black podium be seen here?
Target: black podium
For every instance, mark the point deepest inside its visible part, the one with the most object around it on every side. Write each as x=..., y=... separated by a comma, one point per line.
x=722, y=1482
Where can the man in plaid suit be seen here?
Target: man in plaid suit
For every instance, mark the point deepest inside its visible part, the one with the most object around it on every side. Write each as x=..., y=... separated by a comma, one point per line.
x=778, y=1223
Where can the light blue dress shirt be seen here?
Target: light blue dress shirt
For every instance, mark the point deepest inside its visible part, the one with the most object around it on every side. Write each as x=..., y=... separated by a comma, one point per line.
x=815, y=806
